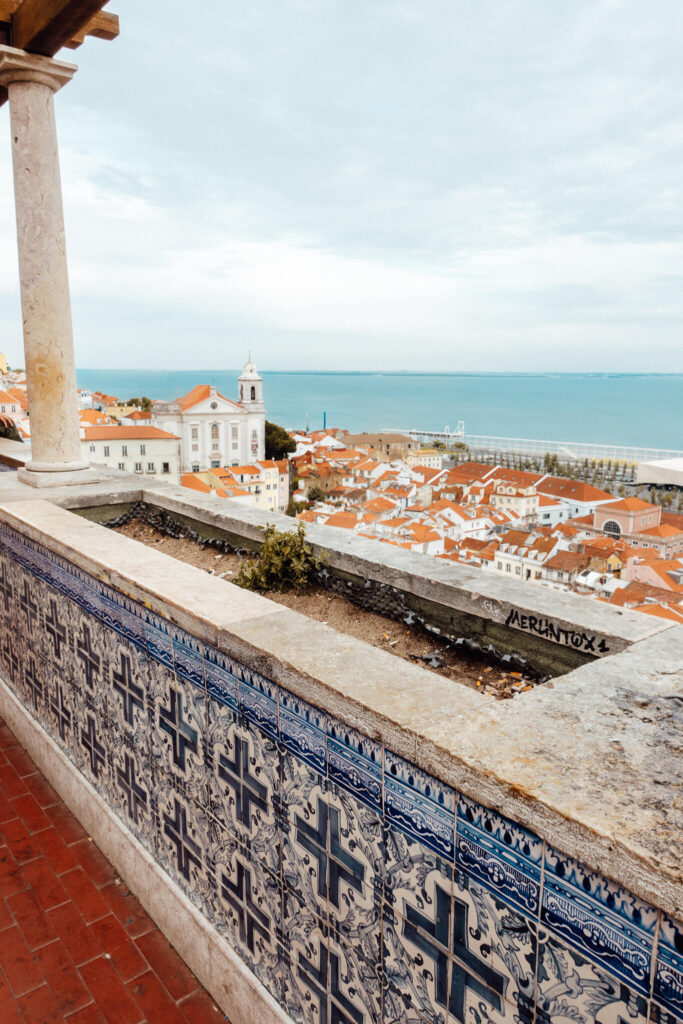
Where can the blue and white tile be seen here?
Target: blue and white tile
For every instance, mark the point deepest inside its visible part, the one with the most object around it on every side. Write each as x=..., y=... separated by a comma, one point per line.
x=158, y=638
x=128, y=689
x=257, y=698
x=412, y=871
x=132, y=791
x=572, y=988
x=305, y=862
x=178, y=734
x=61, y=708
x=93, y=743
x=244, y=783
x=303, y=731
x=493, y=942
x=35, y=678
x=53, y=637
x=419, y=805
x=658, y=1015
x=416, y=973
x=221, y=679
x=182, y=838
x=132, y=622
x=668, y=984
x=88, y=659
x=247, y=902
x=188, y=657
x=12, y=655
x=355, y=976
x=355, y=763
x=303, y=960
x=503, y=856
x=356, y=836
x=604, y=922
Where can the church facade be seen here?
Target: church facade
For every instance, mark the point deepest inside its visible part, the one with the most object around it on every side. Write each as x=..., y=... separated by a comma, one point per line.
x=216, y=431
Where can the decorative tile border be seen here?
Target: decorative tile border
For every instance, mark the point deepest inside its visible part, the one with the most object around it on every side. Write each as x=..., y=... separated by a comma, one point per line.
x=357, y=887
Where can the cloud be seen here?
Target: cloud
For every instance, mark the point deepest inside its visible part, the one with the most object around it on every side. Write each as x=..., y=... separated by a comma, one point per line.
x=353, y=185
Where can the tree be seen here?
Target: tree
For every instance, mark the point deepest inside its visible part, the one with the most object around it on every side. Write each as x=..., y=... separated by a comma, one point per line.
x=278, y=442
x=316, y=494
x=146, y=403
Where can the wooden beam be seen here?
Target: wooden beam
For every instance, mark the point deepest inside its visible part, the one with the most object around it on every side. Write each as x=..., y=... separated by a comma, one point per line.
x=102, y=26
x=44, y=26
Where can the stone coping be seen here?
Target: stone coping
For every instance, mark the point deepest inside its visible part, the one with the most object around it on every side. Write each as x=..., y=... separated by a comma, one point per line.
x=591, y=762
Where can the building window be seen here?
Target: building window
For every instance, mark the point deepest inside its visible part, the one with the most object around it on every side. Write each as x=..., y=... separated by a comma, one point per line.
x=195, y=433
x=122, y=465
x=106, y=450
x=234, y=431
x=124, y=449
x=150, y=467
x=253, y=394
x=508, y=568
x=518, y=570
x=195, y=467
x=214, y=405
x=92, y=447
x=215, y=445
x=214, y=431
x=215, y=463
x=138, y=467
x=142, y=449
x=165, y=467
x=195, y=447
x=612, y=529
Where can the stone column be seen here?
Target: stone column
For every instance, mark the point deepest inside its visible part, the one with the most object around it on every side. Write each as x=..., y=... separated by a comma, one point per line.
x=31, y=82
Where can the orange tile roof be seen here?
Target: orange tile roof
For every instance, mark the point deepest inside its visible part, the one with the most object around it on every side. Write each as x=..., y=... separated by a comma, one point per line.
x=20, y=395
x=127, y=434
x=663, y=530
x=139, y=414
x=200, y=393
x=575, y=490
x=629, y=505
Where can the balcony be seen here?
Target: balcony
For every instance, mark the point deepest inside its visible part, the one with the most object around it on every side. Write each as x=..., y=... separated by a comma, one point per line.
x=313, y=822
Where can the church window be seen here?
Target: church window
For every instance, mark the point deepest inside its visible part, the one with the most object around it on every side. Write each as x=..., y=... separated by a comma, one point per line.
x=241, y=392
x=214, y=431
x=253, y=394
x=195, y=433
x=214, y=405
x=612, y=529
x=234, y=431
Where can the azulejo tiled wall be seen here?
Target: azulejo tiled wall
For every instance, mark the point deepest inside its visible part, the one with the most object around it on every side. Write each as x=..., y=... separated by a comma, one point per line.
x=357, y=888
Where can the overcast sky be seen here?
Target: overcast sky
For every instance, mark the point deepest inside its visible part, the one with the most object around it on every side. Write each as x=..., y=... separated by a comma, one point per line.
x=365, y=184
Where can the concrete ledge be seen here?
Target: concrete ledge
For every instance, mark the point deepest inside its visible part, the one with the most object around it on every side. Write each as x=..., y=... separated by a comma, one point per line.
x=215, y=964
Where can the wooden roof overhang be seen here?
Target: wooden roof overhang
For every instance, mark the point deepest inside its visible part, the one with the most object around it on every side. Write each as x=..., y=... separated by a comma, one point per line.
x=45, y=26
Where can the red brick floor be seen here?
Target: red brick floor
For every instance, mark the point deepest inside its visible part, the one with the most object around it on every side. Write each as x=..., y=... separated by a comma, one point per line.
x=75, y=944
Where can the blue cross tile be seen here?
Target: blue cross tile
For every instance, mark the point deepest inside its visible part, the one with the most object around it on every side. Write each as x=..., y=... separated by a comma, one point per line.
x=243, y=783
x=128, y=689
x=91, y=748
x=668, y=984
x=248, y=903
x=570, y=987
x=603, y=921
x=182, y=841
x=302, y=730
x=356, y=979
x=419, y=805
x=503, y=856
x=412, y=870
x=355, y=762
x=178, y=734
x=132, y=786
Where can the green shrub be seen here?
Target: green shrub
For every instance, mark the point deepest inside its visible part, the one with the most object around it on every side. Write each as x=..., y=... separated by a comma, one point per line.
x=285, y=562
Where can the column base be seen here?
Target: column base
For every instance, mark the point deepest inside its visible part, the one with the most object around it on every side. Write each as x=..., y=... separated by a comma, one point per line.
x=61, y=478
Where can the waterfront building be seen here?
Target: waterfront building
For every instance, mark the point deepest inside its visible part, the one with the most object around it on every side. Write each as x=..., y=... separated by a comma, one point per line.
x=265, y=483
x=216, y=431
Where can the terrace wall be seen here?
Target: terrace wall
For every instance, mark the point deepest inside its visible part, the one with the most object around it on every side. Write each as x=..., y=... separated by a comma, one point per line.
x=353, y=884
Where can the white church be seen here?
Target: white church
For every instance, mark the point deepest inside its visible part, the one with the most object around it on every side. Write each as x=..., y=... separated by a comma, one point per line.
x=214, y=430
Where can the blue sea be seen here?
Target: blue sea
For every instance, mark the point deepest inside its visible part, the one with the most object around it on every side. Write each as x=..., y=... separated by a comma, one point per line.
x=627, y=409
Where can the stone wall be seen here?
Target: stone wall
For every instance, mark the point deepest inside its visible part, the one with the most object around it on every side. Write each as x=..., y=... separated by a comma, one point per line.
x=356, y=886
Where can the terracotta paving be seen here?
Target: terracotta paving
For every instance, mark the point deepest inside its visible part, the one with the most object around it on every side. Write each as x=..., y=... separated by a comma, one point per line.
x=75, y=944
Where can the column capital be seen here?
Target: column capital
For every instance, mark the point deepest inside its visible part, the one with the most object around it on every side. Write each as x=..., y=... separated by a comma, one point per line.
x=20, y=66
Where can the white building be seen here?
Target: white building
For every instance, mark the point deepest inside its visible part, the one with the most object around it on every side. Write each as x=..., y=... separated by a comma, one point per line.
x=214, y=430
x=149, y=451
